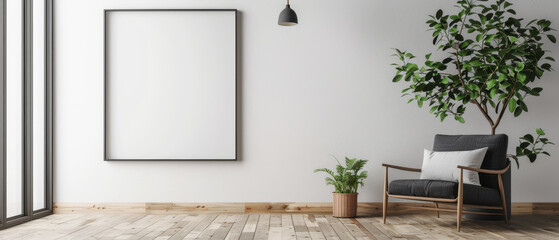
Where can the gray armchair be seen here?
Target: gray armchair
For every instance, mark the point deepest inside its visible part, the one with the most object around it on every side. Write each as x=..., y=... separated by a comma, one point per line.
x=490, y=199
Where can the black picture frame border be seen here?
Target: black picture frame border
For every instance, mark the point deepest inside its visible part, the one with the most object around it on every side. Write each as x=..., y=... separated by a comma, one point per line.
x=105, y=34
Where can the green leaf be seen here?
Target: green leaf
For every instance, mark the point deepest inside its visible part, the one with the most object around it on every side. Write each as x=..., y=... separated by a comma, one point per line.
x=552, y=38
x=517, y=112
x=532, y=157
x=475, y=63
x=461, y=109
x=493, y=92
x=483, y=19
x=443, y=116
x=491, y=83
x=544, y=23
x=513, y=39
x=433, y=109
x=528, y=137
x=502, y=96
x=412, y=67
x=523, y=106
x=439, y=14
x=519, y=151
x=445, y=80
x=489, y=38
x=502, y=77
x=540, y=132
x=397, y=78
x=519, y=66
x=516, y=159
x=459, y=119
x=537, y=90
x=546, y=66
x=521, y=77
x=512, y=105
x=479, y=37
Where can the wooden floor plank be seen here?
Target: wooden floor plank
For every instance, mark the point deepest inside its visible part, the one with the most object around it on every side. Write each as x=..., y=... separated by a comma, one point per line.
x=237, y=228
x=354, y=228
x=326, y=228
x=159, y=228
x=201, y=227
x=301, y=230
x=363, y=229
x=224, y=228
x=340, y=229
x=192, y=222
x=250, y=227
x=313, y=228
x=287, y=228
x=213, y=227
x=263, y=227
x=275, y=227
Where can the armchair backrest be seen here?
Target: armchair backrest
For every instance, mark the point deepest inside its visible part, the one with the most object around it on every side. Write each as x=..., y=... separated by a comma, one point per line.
x=495, y=158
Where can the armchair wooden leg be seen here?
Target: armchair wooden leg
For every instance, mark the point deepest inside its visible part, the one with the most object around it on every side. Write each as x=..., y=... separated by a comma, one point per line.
x=460, y=201
x=437, y=207
x=503, y=200
x=384, y=207
x=385, y=196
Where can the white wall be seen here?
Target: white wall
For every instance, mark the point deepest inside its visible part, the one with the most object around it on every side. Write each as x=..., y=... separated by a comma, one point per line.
x=308, y=92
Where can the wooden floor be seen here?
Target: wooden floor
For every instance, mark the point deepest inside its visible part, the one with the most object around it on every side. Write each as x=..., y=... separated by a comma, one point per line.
x=278, y=226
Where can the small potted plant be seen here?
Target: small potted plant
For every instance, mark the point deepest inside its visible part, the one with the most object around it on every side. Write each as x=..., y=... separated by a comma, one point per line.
x=346, y=180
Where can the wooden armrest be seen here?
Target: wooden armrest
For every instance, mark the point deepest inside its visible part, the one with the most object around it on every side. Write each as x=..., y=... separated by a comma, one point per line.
x=488, y=171
x=402, y=168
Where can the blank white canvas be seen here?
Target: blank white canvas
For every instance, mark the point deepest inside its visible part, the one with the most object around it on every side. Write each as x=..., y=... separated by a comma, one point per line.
x=170, y=85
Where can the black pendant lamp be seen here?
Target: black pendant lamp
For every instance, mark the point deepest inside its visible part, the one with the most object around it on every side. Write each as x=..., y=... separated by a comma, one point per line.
x=287, y=17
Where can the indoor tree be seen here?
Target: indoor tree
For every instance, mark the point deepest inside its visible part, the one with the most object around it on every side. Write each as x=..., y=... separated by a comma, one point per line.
x=491, y=60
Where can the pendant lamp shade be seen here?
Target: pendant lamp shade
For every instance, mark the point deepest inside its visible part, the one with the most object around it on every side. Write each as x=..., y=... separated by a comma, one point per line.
x=287, y=17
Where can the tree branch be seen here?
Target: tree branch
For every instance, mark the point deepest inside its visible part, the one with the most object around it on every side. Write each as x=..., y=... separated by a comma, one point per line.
x=483, y=111
x=459, y=68
x=505, y=104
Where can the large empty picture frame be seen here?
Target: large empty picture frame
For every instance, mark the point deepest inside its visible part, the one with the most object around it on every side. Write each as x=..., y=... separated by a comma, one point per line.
x=170, y=84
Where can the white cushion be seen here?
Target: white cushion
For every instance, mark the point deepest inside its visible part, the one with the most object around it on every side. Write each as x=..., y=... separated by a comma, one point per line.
x=442, y=165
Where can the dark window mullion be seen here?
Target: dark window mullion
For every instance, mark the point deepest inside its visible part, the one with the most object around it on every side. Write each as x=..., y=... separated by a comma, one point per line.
x=28, y=106
x=3, y=204
x=49, y=104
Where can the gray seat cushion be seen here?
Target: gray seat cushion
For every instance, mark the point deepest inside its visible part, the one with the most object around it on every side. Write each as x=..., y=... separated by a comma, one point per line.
x=473, y=194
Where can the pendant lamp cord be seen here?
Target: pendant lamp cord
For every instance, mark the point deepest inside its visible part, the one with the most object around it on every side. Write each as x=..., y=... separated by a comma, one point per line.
x=287, y=2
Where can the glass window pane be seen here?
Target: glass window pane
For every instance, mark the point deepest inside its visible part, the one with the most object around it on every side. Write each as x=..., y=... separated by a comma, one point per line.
x=39, y=167
x=14, y=106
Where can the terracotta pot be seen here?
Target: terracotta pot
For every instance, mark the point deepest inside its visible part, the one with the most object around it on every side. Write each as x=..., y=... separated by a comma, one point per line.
x=345, y=205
